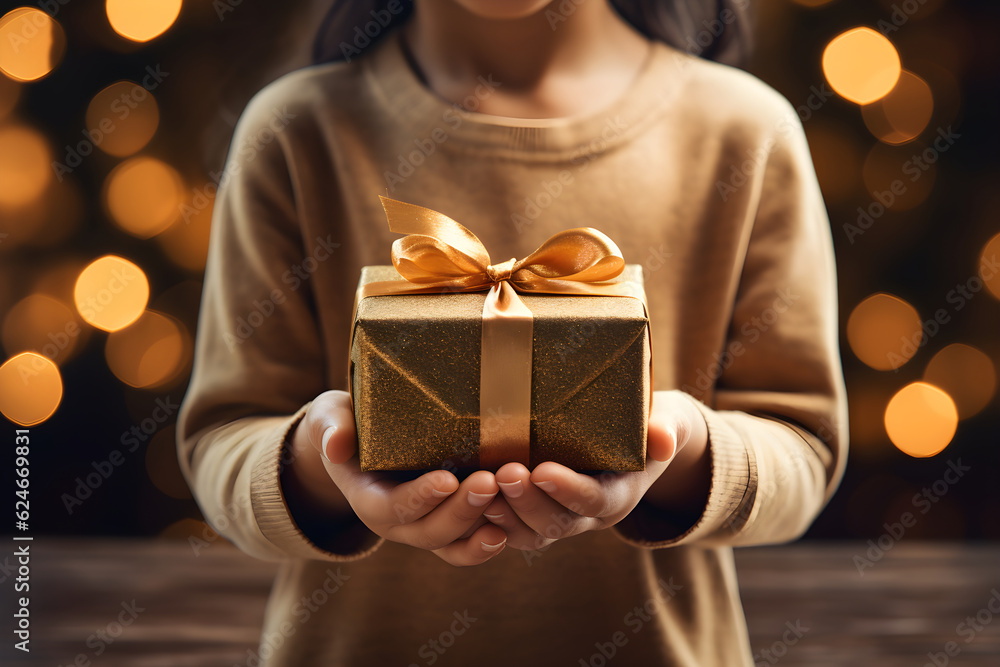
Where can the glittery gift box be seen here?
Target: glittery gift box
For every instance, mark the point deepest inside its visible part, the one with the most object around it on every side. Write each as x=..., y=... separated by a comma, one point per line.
x=415, y=364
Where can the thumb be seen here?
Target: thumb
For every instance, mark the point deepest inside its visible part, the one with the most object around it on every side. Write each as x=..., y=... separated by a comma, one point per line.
x=669, y=428
x=330, y=426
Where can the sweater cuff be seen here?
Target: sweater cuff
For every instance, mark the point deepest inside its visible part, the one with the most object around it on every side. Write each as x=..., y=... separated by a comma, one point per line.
x=271, y=510
x=729, y=503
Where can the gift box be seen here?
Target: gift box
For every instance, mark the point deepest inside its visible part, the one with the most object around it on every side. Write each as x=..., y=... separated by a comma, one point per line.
x=546, y=359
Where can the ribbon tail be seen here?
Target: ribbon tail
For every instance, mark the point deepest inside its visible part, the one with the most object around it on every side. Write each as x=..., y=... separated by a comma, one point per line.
x=505, y=380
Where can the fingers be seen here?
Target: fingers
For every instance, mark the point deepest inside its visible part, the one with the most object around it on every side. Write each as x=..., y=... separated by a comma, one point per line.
x=536, y=509
x=485, y=543
x=453, y=517
x=519, y=534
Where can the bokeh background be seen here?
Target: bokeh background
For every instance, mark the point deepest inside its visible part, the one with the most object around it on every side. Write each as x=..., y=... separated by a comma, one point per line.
x=115, y=119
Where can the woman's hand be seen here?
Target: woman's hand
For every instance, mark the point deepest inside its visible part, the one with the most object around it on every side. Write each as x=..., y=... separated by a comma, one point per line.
x=553, y=502
x=433, y=512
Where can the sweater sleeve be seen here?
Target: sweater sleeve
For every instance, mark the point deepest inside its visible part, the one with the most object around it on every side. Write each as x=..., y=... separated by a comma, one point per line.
x=776, y=417
x=259, y=358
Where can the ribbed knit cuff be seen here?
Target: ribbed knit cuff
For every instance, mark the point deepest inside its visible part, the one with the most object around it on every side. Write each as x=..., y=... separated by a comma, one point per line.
x=271, y=511
x=729, y=503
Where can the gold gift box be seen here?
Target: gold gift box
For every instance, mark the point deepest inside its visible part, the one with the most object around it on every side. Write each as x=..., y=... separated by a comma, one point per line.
x=415, y=365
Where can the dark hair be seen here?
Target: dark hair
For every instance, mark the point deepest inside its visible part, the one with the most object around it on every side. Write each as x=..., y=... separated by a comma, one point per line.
x=717, y=30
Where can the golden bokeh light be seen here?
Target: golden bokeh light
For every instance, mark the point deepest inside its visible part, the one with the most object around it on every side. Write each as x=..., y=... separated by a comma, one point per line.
x=111, y=293
x=30, y=388
x=186, y=242
x=966, y=374
x=884, y=331
x=39, y=323
x=861, y=65
x=10, y=93
x=122, y=118
x=25, y=166
x=162, y=466
x=900, y=178
x=143, y=196
x=988, y=259
x=142, y=21
x=921, y=419
x=150, y=352
x=31, y=44
x=904, y=113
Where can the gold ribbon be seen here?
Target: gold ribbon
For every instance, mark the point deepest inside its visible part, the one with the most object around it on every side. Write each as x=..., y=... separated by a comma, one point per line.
x=439, y=255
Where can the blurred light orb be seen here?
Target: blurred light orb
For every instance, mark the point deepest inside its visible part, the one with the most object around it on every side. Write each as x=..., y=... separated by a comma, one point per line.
x=41, y=324
x=921, y=419
x=861, y=65
x=31, y=388
x=148, y=353
x=186, y=241
x=25, y=166
x=989, y=260
x=111, y=293
x=966, y=374
x=904, y=113
x=122, y=118
x=142, y=20
x=143, y=196
x=884, y=331
x=31, y=44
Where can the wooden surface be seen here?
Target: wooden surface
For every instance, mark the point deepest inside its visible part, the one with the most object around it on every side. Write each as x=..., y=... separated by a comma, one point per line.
x=206, y=610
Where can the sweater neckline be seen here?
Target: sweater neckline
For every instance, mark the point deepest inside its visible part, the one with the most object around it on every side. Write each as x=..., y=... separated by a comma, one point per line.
x=425, y=114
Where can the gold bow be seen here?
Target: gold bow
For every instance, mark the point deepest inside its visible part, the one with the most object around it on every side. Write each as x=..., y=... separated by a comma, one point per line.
x=439, y=255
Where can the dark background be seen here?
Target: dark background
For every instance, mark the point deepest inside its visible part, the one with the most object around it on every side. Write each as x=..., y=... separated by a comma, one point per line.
x=218, y=54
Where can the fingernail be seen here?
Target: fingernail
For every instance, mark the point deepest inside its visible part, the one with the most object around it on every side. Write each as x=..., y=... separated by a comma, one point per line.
x=512, y=489
x=325, y=441
x=546, y=486
x=492, y=547
x=493, y=517
x=480, y=499
x=440, y=494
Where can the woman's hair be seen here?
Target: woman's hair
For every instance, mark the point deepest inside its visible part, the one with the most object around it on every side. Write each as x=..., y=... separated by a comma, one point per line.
x=713, y=29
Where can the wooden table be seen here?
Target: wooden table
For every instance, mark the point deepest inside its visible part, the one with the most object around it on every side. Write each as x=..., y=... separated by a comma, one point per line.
x=207, y=610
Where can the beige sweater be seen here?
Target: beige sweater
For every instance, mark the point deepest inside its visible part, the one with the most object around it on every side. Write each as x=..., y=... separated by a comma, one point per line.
x=700, y=173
